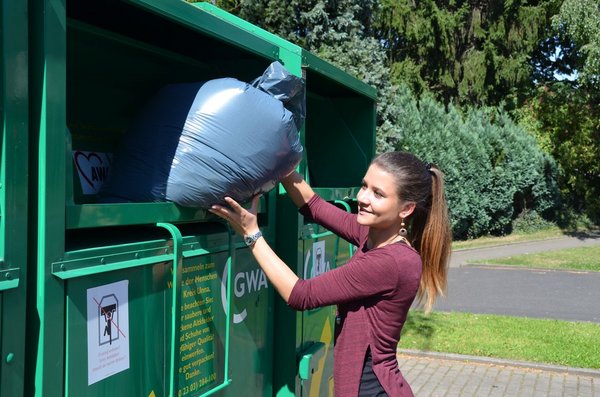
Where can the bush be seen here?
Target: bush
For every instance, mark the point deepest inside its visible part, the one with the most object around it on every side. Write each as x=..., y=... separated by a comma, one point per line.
x=529, y=222
x=494, y=169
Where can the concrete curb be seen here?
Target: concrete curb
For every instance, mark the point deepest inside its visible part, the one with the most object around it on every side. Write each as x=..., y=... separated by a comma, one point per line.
x=588, y=372
x=516, y=267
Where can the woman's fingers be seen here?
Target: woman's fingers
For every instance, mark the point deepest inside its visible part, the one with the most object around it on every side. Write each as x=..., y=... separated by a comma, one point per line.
x=233, y=204
x=219, y=211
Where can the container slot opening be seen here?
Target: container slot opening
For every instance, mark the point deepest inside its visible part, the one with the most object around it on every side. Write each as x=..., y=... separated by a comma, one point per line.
x=118, y=57
x=83, y=239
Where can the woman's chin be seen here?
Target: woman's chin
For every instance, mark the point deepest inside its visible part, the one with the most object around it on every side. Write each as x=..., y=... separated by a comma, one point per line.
x=363, y=220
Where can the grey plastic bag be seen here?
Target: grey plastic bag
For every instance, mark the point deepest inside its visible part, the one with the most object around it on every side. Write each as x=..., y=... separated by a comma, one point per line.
x=196, y=143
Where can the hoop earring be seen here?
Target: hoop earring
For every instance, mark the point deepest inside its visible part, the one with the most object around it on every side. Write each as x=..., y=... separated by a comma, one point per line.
x=403, y=232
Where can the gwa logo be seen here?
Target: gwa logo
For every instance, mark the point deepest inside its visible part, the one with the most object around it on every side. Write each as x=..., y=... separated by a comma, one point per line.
x=243, y=283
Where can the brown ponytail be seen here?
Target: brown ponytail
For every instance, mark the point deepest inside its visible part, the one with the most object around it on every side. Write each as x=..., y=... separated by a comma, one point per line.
x=430, y=231
x=434, y=245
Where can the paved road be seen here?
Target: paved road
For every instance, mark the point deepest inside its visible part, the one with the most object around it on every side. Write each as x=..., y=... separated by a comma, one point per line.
x=573, y=296
x=460, y=258
x=552, y=294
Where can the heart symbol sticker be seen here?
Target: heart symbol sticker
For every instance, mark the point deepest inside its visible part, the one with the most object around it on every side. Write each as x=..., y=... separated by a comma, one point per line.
x=93, y=169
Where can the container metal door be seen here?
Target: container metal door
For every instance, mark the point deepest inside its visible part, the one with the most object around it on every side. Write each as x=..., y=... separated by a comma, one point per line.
x=323, y=251
x=93, y=64
x=151, y=318
x=13, y=194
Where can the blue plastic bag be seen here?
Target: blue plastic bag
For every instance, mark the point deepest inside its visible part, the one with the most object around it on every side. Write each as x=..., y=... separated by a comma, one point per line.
x=196, y=143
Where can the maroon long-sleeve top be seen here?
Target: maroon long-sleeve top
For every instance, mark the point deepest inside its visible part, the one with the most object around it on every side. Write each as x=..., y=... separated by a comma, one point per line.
x=373, y=291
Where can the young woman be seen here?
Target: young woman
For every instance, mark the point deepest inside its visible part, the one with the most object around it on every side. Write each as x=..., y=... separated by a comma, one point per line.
x=403, y=239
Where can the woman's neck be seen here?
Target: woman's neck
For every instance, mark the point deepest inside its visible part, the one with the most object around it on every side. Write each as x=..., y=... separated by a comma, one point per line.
x=378, y=240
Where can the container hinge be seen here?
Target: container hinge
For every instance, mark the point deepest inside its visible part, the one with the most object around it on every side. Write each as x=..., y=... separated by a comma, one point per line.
x=9, y=278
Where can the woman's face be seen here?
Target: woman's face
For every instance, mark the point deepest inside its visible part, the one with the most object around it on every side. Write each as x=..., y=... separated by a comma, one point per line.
x=378, y=203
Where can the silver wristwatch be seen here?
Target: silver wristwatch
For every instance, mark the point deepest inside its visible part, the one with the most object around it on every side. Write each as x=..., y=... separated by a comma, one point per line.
x=251, y=240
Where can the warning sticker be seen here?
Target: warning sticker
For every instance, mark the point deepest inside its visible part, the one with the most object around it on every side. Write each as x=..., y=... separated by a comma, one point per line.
x=107, y=330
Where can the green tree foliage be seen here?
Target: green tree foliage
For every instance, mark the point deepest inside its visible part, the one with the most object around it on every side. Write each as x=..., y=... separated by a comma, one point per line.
x=556, y=56
x=466, y=52
x=580, y=21
x=566, y=121
x=564, y=112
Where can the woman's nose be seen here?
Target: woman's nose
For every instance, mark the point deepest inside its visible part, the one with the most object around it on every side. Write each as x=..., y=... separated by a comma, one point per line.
x=362, y=197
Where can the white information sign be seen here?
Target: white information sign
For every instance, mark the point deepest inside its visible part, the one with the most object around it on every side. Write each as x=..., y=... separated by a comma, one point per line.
x=107, y=330
x=319, y=265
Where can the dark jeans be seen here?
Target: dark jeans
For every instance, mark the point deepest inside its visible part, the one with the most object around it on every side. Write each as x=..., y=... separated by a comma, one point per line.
x=369, y=384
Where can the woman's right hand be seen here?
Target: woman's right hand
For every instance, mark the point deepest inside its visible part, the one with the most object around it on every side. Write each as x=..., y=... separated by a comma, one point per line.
x=243, y=221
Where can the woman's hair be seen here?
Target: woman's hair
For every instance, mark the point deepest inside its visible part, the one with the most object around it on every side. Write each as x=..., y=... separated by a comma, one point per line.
x=430, y=233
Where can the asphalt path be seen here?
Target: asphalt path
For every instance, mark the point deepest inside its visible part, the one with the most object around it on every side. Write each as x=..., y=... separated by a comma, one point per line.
x=551, y=294
x=463, y=257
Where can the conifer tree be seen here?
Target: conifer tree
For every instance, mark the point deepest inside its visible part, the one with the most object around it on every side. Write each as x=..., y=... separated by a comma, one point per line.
x=466, y=52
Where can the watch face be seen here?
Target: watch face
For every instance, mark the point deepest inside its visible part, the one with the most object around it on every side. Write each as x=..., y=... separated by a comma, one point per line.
x=250, y=240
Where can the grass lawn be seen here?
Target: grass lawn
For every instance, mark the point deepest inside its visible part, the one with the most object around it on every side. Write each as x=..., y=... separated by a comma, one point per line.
x=481, y=242
x=555, y=342
x=573, y=344
x=582, y=258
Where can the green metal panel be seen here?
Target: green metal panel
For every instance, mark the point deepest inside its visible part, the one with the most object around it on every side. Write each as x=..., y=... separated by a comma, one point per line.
x=197, y=310
x=205, y=361
x=340, y=125
x=251, y=355
x=288, y=247
x=322, y=251
x=335, y=82
x=317, y=324
x=47, y=128
x=342, y=119
x=13, y=195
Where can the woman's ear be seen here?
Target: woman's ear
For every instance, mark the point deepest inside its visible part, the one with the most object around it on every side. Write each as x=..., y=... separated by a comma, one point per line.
x=407, y=209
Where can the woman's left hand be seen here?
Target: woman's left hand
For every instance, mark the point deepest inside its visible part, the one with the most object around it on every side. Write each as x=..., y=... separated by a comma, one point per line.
x=243, y=221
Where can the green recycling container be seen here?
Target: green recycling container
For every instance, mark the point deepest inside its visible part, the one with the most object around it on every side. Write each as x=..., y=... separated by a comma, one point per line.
x=13, y=195
x=153, y=299
x=144, y=299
